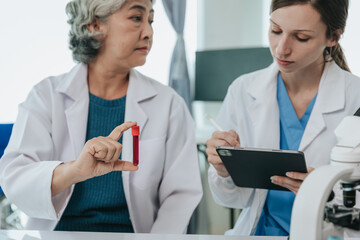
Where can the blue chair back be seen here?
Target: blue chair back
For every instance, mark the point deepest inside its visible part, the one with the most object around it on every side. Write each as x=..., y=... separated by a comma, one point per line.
x=5, y=132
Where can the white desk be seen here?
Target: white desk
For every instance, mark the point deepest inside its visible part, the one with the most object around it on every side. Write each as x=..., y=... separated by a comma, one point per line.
x=53, y=235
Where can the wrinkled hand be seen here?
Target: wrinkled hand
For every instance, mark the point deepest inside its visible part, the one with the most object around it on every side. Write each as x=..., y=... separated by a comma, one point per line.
x=100, y=155
x=230, y=138
x=292, y=181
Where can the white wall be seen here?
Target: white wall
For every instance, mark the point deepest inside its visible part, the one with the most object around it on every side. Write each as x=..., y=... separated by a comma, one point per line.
x=351, y=38
x=230, y=24
x=34, y=45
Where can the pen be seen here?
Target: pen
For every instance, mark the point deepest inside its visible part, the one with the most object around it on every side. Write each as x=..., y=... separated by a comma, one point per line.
x=215, y=124
x=135, y=131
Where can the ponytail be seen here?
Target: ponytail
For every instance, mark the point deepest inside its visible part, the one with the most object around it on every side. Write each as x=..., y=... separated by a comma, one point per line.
x=336, y=53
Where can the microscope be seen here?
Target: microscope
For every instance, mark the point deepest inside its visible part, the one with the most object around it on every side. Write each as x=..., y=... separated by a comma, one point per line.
x=313, y=218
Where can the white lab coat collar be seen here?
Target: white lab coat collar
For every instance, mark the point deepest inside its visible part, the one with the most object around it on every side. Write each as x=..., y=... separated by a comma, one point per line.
x=139, y=90
x=330, y=98
x=75, y=83
x=264, y=84
x=331, y=94
x=265, y=108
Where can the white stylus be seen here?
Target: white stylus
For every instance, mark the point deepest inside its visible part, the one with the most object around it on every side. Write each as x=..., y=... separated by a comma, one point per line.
x=212, y=121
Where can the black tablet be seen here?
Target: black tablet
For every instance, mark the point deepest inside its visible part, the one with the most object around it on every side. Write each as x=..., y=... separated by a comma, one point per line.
x=253, y=167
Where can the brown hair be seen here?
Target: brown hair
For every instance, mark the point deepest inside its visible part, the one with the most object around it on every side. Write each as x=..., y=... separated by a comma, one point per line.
x=334, y=14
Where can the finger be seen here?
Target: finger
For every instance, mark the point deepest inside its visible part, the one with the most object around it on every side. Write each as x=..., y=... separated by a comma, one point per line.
x=292, y=189
x=286, y=182
x=119, y=130
x=211, y=151
x=124, y=166
x=111, y=149
x=222, y=139
x=236, y=136
x=98, y=150
x=214, y=160
x=297, y=175
x=118, y=151
x=212, y=144
x=310, y=169
x=230, y=138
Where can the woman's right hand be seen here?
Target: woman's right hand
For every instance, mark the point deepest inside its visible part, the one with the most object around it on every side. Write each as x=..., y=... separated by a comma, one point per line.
x=230, y=138
x=99, y=156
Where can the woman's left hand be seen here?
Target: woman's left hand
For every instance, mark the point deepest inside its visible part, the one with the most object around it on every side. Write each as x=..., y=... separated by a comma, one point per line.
x=292, y=181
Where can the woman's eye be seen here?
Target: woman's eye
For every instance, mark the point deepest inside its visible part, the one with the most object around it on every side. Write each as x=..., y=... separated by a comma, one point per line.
x=137, y=18
x=275, y=32
x=302, y=39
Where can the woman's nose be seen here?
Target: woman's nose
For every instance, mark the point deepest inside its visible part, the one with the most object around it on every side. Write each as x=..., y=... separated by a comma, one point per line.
x=147, y=32
x=284, y=46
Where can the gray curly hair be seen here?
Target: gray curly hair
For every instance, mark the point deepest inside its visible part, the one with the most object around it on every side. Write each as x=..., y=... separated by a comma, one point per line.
x=83, y=43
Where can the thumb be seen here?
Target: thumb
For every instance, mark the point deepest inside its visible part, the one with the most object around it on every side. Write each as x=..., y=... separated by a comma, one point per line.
x=119, y=130
x=120, y=165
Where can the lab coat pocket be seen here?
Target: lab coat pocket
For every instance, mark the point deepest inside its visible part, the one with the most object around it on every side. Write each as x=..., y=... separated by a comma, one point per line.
x=151, y=162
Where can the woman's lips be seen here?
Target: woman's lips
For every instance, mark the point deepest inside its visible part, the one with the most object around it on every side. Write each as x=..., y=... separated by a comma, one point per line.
x=283, y=62
x=143, y=49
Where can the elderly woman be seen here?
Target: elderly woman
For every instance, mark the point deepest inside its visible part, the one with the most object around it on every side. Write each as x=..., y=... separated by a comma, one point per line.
x=62, y=164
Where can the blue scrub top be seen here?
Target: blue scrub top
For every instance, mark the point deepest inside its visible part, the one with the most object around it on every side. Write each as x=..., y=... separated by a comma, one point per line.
x=276, y=214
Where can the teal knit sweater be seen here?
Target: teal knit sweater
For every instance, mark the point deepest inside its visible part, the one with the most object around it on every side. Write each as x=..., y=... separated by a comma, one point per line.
x=99, y=204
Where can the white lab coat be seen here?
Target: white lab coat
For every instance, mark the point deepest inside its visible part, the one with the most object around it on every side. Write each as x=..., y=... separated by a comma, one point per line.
x=251, y=109
x=51, y=128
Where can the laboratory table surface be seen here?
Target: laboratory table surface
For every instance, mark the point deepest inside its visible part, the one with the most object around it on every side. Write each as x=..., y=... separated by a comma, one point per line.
x=55, y=235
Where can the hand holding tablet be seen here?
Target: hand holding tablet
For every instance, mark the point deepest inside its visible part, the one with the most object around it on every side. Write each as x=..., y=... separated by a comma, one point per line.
x=253, y=167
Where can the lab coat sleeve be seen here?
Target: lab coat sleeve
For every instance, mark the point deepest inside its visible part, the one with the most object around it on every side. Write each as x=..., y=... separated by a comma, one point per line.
x=226, y=193
x=180, y=190
x=223, y=190
x=26, y=168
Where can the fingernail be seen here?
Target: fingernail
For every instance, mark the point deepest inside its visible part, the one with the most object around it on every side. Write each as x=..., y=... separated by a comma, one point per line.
x=288, y=174
x=272, y=179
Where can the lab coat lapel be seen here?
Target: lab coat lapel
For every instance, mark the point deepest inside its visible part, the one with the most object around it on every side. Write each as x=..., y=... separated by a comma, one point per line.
x=330, y=98
x=264, y=111
x=139, y=91
x=75, y=87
